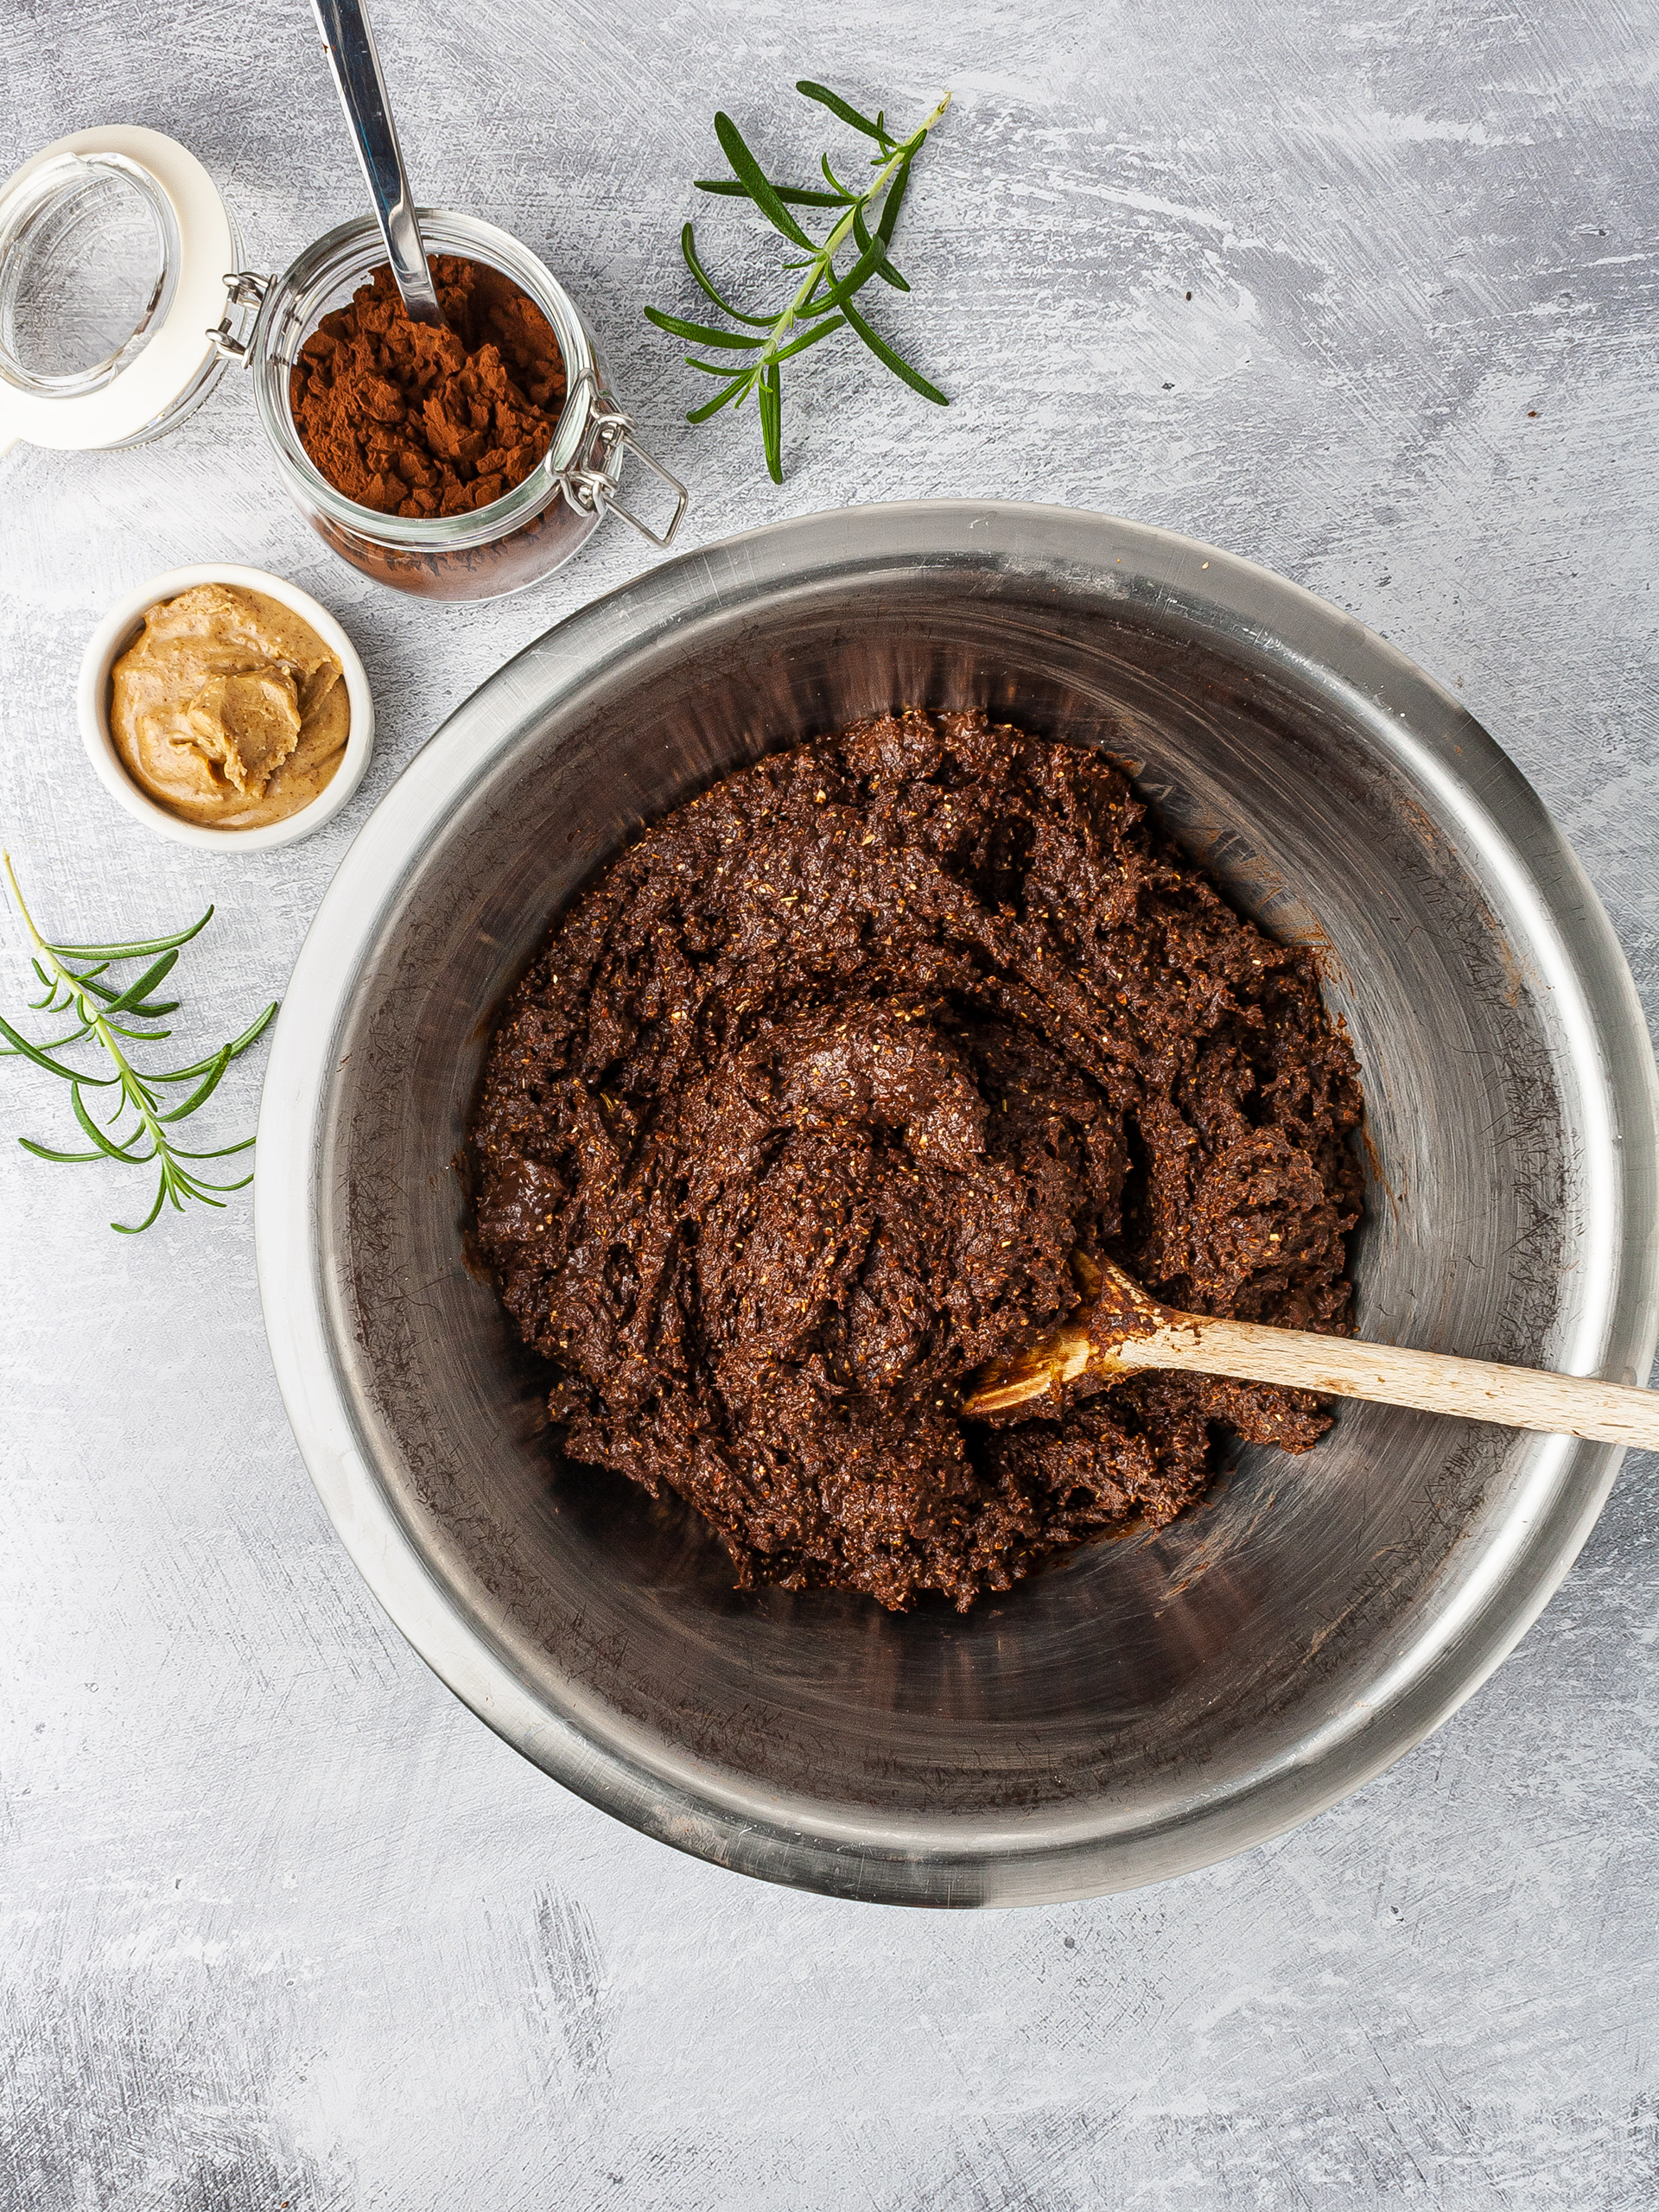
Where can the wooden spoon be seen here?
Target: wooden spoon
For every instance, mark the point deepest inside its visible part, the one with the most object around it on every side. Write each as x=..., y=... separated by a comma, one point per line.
x=1119, y=1331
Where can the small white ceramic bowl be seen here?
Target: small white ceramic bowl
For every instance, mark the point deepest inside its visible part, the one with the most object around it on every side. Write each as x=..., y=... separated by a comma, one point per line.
x=116, y=631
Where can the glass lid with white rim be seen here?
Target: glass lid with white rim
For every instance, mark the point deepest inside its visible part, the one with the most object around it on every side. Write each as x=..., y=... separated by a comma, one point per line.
x=115, y=248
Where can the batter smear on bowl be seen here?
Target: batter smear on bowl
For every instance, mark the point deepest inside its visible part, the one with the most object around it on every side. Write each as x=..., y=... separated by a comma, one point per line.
x=807, y=1099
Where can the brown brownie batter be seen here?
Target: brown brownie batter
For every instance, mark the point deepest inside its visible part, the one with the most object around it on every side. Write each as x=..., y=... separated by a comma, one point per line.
x=808, y=1097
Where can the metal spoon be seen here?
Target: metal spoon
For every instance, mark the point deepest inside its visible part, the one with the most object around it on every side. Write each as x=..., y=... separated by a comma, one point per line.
x=362, y=88
x=1119, y=1329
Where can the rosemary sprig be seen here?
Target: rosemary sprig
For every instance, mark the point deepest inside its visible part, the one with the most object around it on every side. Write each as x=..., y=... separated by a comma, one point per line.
x=104, y=1012
x=822, y=301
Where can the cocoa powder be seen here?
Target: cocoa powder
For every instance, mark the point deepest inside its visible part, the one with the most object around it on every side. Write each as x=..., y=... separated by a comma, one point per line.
x=407, y=419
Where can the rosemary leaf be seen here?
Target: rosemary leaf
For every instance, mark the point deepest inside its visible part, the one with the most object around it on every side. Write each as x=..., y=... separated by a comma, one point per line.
x=863, y=238
x=810, y=337
x=701, y=333
x=108, y=952
x=772, y=421
x=896, y=362
x=688, y=248
x=146, y=1141
x=749, y=174
x=819, y=297
x=720, y=398
x=798, y=195
x=837, y=105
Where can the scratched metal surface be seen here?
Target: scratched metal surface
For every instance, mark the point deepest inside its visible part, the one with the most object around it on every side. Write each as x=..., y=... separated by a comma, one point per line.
x=282, y=1924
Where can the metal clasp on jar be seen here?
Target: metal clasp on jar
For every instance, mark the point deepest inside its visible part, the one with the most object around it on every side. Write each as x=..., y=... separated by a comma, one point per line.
x=244, y=291
x=593, y=490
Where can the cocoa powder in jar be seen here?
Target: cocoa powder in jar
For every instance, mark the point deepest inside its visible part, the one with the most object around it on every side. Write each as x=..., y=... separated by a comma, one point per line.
x=404, y=418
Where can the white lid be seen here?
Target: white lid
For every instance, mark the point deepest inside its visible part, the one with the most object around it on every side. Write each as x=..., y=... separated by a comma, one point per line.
x=198, y=253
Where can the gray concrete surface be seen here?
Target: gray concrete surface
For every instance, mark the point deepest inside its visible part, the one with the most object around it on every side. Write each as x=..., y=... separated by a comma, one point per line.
x=283, y=1925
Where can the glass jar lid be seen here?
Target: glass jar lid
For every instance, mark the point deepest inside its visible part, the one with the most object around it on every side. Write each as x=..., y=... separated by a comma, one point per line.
x=114, y=245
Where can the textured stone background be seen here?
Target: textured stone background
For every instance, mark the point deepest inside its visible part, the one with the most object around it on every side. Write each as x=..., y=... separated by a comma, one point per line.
x=283, y=1923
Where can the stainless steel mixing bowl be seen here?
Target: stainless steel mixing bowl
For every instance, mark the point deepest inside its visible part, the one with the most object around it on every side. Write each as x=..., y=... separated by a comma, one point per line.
x=1156, y=1703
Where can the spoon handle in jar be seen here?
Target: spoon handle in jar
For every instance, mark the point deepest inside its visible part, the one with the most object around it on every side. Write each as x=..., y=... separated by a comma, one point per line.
x=356, y=65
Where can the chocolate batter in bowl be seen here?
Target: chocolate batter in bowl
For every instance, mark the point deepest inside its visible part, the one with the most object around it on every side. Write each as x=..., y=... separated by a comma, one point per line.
x=804, y=1109
x=1140, y=1707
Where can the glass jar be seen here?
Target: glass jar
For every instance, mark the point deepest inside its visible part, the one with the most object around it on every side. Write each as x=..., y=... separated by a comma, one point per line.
x=518, y=538
x=118, y=317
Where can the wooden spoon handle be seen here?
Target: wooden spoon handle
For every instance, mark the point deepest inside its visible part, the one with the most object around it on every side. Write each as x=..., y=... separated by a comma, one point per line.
x=1434, y=1382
